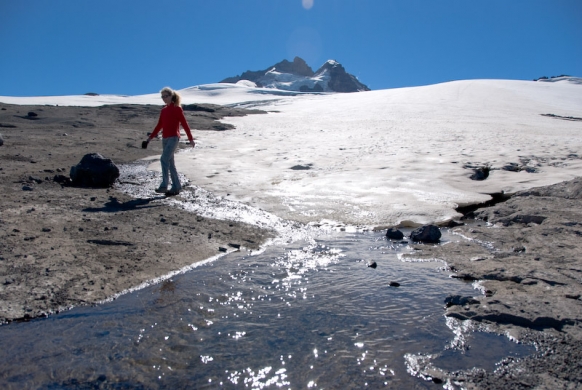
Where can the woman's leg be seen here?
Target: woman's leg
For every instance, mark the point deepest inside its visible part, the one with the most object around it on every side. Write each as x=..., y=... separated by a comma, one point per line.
x=173, y=145
x=169, y=145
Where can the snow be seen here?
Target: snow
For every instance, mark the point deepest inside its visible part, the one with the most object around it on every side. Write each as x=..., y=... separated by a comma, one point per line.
x=386, y=157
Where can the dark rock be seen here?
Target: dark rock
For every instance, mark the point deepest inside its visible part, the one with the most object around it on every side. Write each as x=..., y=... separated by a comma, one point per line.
x=62, y=179
x=427, y=233
x=316, y=88
x=35, y=179
x=301, y=167
x=340, y=81
x=199, y=107
x=394, y=284
x=27, y=188
x=481, y=173
x=1, y=140
x=94, y=170
x=522, y=219
x=457, y=300
x=452, y=223
x=394, y=234
x=512, y=167
x=110, y=242
x=372, y=264
x=32, y=114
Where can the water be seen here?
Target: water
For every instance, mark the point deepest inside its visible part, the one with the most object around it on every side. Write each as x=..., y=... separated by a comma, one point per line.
x=307, y=315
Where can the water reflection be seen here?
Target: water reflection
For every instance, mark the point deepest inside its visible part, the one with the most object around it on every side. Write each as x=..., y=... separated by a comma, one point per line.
x=311, y=315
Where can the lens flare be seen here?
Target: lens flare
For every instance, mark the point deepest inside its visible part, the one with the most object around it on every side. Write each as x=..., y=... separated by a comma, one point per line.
x=307, y=4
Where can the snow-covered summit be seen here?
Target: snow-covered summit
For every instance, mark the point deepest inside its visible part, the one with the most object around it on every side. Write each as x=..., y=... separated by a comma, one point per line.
x=561, y=79
x=298, y=76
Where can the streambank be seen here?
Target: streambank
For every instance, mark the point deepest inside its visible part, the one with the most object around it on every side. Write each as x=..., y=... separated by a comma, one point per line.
x=524, y=256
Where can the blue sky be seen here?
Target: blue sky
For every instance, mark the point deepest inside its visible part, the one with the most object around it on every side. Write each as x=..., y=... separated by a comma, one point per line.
x=64, y=47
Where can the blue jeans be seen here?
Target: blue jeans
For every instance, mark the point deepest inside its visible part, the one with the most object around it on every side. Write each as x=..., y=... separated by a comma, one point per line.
x=170, y=145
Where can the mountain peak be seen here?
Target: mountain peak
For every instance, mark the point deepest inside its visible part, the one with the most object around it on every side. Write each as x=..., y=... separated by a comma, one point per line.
x=297, y=67
x=298, y=76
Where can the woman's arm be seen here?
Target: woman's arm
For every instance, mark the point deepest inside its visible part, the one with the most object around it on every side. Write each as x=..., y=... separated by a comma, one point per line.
x=186, y=127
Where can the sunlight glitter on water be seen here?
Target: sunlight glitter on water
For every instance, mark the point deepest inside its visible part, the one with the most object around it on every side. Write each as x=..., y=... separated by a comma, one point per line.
x=309, y=314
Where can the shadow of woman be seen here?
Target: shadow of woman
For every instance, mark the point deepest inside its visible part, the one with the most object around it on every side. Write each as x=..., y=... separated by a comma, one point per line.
x=114, y=205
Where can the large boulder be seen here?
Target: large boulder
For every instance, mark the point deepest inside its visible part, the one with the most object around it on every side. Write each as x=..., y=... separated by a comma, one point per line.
x=427, y=233
x=94, y=170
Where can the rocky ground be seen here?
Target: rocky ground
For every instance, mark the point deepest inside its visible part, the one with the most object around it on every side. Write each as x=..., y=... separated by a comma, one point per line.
x=63, y=246
x=525, y=254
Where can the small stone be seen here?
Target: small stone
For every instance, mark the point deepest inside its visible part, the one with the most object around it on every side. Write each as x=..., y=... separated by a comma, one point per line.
x=394, y=284
x=372, y=264
x=27, y=188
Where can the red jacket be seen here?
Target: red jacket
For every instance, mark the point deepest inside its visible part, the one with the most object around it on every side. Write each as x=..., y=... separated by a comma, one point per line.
x=170, y=120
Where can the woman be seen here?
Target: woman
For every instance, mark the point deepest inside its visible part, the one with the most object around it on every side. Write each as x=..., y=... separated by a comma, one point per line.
x=171, y=117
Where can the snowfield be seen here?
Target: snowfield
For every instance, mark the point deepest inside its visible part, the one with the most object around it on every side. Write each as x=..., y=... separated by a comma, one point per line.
x=386, y=157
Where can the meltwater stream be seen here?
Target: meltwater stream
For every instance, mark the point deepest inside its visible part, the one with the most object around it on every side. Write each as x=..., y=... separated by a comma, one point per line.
x=308, y=315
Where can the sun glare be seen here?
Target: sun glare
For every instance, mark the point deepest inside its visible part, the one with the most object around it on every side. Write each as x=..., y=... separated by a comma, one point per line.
x=307, y=4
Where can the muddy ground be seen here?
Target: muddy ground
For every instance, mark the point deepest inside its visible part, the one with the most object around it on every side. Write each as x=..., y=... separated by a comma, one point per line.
x=63, y=246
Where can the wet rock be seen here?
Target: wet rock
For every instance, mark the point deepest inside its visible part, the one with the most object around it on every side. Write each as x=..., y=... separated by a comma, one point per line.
x=427, y=233
x=394, y=234
x=453, y=223
x=457, y=300
x=94, y=170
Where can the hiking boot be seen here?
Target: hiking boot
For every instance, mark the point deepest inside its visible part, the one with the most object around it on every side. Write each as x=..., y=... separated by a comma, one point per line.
x=161, y=190
x=172, y=192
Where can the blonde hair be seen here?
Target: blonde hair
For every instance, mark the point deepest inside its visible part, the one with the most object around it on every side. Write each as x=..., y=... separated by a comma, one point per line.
x=176, y=98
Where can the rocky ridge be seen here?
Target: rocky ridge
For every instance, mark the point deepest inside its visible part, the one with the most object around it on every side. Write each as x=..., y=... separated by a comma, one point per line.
x=298, y=76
